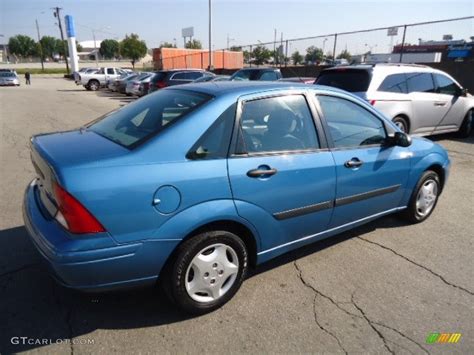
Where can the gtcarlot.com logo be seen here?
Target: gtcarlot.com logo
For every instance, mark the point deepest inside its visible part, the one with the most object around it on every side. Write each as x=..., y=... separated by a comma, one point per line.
x=48, y=341
x=443, y=338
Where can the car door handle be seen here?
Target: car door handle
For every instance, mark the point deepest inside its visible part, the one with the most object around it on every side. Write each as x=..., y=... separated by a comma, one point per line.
x=440, y=103
x=260, y=171
x=353, y=163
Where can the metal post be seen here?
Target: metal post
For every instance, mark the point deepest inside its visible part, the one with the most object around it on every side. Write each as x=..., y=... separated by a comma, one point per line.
x=286, y=53
x=223, y=60
x=334, y=48
x=95, y=49
x=403, y=43
x=39, y=43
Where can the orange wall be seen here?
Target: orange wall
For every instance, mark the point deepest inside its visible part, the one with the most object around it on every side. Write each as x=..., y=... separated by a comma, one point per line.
x=177, y=58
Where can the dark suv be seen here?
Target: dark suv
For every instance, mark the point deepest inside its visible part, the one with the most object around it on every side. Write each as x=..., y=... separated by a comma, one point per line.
x=164, y=78
x=263, y=74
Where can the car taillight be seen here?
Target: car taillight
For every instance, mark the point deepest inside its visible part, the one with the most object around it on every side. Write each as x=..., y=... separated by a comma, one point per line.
x=73, y=216
x=160, y=84
x=372, y=102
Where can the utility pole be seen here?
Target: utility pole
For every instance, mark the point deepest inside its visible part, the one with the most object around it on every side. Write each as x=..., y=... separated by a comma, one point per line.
x=95, y=49
x=210, y=36
x=57, y=14
x=39, y=43
x=274, y=47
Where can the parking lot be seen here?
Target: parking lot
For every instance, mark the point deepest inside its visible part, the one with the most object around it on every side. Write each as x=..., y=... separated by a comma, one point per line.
x=381, y=288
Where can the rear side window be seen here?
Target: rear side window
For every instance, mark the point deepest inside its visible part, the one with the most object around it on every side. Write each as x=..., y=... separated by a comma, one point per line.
x=160, y=76
x=214, y=144
x=138, y=121
x=193, y=75
x=180, y=76
x=276, y=124
x=394, y=83
x=110, y=71
x=346, y=79
x=420, y=82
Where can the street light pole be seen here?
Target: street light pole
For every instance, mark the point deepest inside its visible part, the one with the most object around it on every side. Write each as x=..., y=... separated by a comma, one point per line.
x=210, y=36
x=95, y=49
x=57, y=14
x=41, y=47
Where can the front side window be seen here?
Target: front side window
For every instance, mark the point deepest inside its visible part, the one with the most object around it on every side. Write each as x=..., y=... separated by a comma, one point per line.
x=394, y=83
x=136, y=122
x=446, y=85
x=350, y=125
x=276, y=124
x=420, y=82
x=110, y=71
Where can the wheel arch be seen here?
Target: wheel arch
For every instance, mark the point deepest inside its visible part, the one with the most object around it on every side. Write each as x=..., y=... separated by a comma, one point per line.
x=405, y=117
x=438, y=169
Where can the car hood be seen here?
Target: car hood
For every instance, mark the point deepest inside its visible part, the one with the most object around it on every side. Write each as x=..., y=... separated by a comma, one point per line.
x=75, y=148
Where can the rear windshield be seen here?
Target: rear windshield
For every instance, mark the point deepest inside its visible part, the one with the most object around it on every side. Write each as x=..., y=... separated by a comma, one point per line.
x=346, y=79
x=246, y=75
x=160, y=76
x=138, y=121
x=7, y=75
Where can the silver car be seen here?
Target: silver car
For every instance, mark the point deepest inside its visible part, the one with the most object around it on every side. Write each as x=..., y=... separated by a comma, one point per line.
x=420, y=100
x=133, y=86
x=8, y=78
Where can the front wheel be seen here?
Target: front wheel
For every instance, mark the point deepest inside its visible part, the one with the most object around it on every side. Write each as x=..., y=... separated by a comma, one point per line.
x=424, y=198
x=206, y=271
x=466, y=126
x=94, y=85
x=401, y=123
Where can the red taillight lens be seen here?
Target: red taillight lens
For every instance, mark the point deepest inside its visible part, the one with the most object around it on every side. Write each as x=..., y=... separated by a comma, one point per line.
x=372, y=102
x=74, y=216
x=160, y=84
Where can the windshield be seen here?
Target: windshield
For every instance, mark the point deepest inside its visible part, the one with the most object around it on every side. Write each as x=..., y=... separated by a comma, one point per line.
x=346, y=79
x=138, y=121
x=7, y=75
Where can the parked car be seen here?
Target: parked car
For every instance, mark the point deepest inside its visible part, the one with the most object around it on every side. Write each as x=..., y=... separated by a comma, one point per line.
x=299, y=79
x=166, y=187
x=8, y=78
x=95, y=81
x=121, y=84
x=77, y=76
x=420, y=100
x=263, y=74
x=133, y=86
x=164, y=78
x=113, y=83
x=203, y=79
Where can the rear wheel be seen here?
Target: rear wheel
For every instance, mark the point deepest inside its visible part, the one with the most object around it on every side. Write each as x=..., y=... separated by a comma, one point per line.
x=424, y=198
x=206, y=271
x=94, y=85
x=466, y=126
x=401, y=123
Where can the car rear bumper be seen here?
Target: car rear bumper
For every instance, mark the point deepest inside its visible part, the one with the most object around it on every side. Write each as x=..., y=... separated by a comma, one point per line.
x=76, y=263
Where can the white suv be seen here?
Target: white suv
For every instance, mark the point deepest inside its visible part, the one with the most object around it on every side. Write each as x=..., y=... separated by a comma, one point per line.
x=420, y=100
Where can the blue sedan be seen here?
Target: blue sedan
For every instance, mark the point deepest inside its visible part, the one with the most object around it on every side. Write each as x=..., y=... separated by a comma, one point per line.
x=192, y=185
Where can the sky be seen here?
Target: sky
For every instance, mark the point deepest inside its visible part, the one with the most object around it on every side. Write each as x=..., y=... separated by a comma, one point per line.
x=244, y=22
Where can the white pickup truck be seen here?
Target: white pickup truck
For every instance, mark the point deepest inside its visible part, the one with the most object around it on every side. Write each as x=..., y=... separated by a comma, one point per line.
x=94, y=81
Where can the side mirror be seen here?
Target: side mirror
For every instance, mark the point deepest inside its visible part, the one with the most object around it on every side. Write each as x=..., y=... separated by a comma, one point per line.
x=400, y=139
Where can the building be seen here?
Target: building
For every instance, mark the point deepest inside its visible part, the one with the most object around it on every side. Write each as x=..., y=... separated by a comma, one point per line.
x=89, y=50
x=457, y=50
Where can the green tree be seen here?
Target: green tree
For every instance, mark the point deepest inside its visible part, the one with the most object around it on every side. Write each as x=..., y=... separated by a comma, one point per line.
x=48, y=44
x=297, y=58
x=167, y=45
x=194, y=44
x=61, y=48
x=109, y=48
x=314, y=54
x=22, y=46
x=261, y=54
x=79, y=47
x=344, y=55
x=133, y=48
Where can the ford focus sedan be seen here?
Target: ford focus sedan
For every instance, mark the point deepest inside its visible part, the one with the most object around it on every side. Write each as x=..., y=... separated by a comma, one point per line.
x=192, y=185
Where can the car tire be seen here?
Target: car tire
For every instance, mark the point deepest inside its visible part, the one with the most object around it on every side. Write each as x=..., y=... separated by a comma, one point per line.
x=93, y=85
x=402, y=123
x=206, y=271
x=424, y=198
x=467, y=125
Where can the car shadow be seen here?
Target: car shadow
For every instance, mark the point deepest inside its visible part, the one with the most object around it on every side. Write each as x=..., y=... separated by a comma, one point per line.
x=454, y=138
x=33, y=305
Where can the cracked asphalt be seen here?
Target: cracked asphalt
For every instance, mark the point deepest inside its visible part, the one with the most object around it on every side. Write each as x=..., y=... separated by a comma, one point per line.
x=381, y=288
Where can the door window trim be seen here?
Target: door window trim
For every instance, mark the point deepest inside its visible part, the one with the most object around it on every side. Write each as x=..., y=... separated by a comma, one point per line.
x=315, y=119
x=330, y=143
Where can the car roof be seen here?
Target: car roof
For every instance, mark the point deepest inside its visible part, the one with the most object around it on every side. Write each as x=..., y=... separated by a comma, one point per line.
x=174, y=70
x=260, y=68
x=219, y=88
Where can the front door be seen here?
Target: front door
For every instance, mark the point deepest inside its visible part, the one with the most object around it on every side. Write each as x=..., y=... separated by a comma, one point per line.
x=281, y=179
x=371, y=176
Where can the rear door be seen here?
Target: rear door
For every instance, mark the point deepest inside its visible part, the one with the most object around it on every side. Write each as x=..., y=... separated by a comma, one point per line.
x=281, y=174
x=371, y=176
